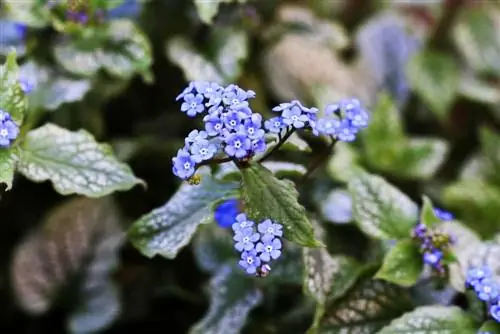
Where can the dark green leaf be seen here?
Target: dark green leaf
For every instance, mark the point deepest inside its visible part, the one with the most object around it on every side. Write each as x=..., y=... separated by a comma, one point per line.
x=368, y=306
x=490, y=327
x=265, y=197
x=380, y=209
x=233, y=297
x=289, y=269
x=490, y=147
x=432, y=319
x=427, y=215
x=169, y=228
x=435, y=77
x=74, y=162
x=213, y=247
x=403, y=264
x=8, y=161
x=12, y=98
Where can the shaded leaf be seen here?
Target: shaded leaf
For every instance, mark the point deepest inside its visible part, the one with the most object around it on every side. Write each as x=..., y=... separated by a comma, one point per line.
x=233, y=297
x=343, y=163
x=403, y=264
x=213, y=247
x=74, y=162
x=432, y=319
x=167, y=229
x=434, y=77
x=381, y=210
x=8, y=161
x=191, y=62
x=12, y=36
x=421, y=158
x=337, y=207
x=289, y=269
x=265, y=197
x=490, y=147
x=368, y=306
x=491, y=327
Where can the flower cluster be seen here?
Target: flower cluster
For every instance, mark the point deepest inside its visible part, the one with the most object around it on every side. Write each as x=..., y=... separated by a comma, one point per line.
x=8, y=129
x=486, y=288
x=232, y=131
x=433, y=243
x=258, y=244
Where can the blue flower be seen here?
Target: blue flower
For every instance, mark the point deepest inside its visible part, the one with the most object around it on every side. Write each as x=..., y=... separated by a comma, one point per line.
x=259, y=145
x=225, y=213
x=269, y=249
x=487, y=290
x=8, y=129
x=237, y=145
x=242, y=222
x=213, y=124
x=269, y=230
x=346, y=132
x=211, y=90
x=354, y=113
x=188, y=90
x=128, y=9
x=292, y=115
x=495, y=311
x=193, y=104
x=274, y=125
x=202, y=149
x=183, y=164
x=433, y=258
x=327, y=126
x=253, y=127
x=245, y=239
x=235, y=97
x=250, y=261
x=194, y=136
x=443, y=215
x=420, y=231
x=476, y=275
x=232, y=119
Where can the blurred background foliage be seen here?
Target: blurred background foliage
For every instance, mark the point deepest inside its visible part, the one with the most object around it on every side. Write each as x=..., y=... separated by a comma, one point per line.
x=429, y=72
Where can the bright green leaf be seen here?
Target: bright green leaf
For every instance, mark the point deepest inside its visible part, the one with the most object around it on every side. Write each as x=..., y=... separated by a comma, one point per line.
x=74, y=162
x=191, y=62
x=233, y=297
x=380, y=209
x=8, y=160
x=232, y=50
x=169, y=228
x=435, y=77
x=127, y=51
x=12, y=98
x=402, y=265
x=491, y=327
x=343, y=163
x=265, y=197
x=432, y=319
x=368, y=306
x=427, y=215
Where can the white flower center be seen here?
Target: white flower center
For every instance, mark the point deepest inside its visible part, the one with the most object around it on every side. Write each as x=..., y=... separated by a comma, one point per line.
x=187, y=165
x=4, y=132
x=237, y=144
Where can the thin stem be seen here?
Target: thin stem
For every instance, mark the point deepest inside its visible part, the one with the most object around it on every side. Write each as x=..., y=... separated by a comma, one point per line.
x=280, y=143
x=320, y=160
x=215, y=161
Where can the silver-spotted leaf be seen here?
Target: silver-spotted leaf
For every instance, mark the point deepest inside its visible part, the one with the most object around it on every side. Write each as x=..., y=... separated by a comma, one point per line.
x=74, y=162
x=12, y=98
x=434, y=77
x=432, y=319
x=343, y=163
x=265, y=196
x=381, y=210
x=167, y=229
x=77, y=240
x=486, y=254
x=233, y=296
x=126, y=52
x=403, y=264
x=421, y=158
x=194, y=65
x=8, y=161
x=213, y=247
x=367, y=307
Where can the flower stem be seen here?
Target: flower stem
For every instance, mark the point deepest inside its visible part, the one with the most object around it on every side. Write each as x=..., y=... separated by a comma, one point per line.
x=275, y=148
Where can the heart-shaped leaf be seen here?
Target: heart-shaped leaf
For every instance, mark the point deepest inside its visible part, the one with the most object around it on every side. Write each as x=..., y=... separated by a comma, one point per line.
x=403, y=264
x=265, y=197
x=74, y=162
x=169, y=228
x=381, y=210
x=432, y=319
x=233, y=297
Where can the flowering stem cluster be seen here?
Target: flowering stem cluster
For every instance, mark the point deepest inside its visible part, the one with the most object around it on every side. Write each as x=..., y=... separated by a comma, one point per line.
x=8, y=129
x=434, y=244
x=486, y=288
x=233, y=132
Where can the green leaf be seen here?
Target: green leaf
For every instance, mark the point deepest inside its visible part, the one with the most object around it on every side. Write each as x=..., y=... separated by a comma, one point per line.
x=381, y=210
x=478, y=39
x=12, y=98
x=195, y=66
x=213, y=247
x=435, y=78
x=477, y=201
x=295, y=143
x=167, y=229
x=432, y=319
x=8, y=161
x=265, y=197
x=126, y=52
x=420, y=158
x=479, y=90
x=491, y=327
x=232, y=50
x=233, y=297
x=74, y=162
x=427, y=215
x=403, y=264
x=490, y=147
x=368, y=306
x=344, y=162
x=290, y=267
x=208, y=9
x=285, y=169
x=51, y=89
x=465, y=243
